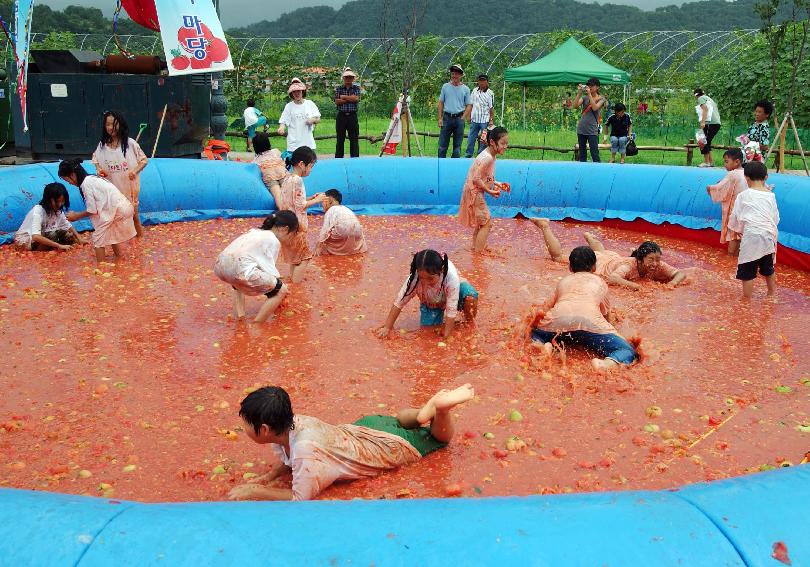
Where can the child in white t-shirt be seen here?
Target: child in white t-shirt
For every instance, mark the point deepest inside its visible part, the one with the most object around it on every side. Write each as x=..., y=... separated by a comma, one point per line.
x=46, y=226
x=299, y=118
x=756, y=216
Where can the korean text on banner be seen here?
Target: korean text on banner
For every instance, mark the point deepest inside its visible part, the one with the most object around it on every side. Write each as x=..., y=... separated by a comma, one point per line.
x=192, y=36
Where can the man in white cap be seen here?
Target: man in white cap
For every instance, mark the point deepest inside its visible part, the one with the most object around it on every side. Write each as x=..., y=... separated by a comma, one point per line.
x=347, y=96
x=454, y=109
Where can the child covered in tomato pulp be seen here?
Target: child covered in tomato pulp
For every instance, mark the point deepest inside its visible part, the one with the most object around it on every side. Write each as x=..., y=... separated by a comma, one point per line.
x=248, y=264
x=341, y=233
x=108, y=209
x=578, y=314
x=473, y=211
x=442, y=293
x=46, y=226
x=119, y=159
x=271, y=164
x=319, y=453
x=725, y=192
x=293, y=196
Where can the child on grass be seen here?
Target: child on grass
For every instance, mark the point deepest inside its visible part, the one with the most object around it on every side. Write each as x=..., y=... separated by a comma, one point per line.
x=725, y=192
x=473, y=211
x=756, y=216
x=319, y=453
x=46, y=226
x=576, y=315
x=270, y=163
x=119, y=159
x=341, y=233
x=441, y=291
x=109, y=210
x=248, y=264
x=643, y=263
x=254, y=118
x=293, y=196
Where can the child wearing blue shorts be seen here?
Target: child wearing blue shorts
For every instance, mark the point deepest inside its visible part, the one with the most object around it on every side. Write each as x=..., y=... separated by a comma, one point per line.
x=441, y=291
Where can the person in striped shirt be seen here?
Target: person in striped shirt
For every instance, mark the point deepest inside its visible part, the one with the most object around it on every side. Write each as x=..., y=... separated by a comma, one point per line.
x=482, y=115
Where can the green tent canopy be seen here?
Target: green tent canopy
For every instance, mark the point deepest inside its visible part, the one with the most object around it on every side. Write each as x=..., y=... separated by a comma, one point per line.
x=570, y=63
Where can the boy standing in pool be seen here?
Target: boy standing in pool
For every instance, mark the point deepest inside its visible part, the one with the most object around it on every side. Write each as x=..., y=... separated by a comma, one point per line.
x=318, y=453
x=756, y=216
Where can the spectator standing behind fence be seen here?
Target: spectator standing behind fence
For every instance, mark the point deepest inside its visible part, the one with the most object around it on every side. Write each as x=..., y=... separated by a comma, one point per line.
x=347, y=96
x=299, y=118
x=482, y=115
x=621, y=128
x=454, y=108
x=591, y=102
x=709, y=117
x=760, y=131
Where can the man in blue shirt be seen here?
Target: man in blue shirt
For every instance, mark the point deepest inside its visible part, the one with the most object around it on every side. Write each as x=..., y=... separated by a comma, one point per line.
x=347, y=96
x=454, y=109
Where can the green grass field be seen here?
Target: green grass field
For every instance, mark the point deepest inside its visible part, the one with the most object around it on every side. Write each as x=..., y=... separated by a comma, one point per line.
x=646, y=135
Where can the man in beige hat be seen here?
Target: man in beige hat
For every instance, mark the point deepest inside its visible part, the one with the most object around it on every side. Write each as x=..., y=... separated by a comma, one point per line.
x=454, y=109
x=347, y=96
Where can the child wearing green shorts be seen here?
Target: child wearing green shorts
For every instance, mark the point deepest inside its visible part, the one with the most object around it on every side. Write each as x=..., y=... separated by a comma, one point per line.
x=318, y=453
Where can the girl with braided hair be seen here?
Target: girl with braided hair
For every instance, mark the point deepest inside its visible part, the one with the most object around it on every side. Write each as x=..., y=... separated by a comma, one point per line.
x=442, y=294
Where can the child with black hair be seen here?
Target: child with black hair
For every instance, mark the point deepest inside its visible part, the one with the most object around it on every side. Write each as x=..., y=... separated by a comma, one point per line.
x=119, y=159
x=109, y=210
x=760, y=130
x=473, y=211
x=341, y=233
x=643, y=263
x=725, y=192
x=578, y=314
x=442, y=293
x=621, y=130
x=292, y=196
x=756, y=217
x=319, y=453
x=46, y=226
x=271, y=164
x=253, y=119
x=248, y=264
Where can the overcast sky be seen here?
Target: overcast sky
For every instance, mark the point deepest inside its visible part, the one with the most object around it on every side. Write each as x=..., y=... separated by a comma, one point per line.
x=242, y=12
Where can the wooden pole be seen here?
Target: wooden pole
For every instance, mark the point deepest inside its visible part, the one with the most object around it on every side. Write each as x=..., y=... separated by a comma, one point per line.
x=524, y=105
x=160, y=129
x=690, y=151
x=406, y=130
x=782, y=139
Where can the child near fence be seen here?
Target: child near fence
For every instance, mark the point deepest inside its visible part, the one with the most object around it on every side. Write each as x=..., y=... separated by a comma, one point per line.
x=725, y=192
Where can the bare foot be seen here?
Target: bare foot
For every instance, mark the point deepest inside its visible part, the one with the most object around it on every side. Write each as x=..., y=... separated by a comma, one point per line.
x=444, y=401
x=604, y=364
x=540, y=222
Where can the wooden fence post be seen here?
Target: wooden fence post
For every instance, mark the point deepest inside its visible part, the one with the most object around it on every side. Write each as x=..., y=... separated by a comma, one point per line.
x=689, y=152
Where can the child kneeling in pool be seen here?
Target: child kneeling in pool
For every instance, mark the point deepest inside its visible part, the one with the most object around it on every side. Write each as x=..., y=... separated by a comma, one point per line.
x=319, y=453
x=577, y=315
x=248, y=264
x=441, y=291
x=46, y=226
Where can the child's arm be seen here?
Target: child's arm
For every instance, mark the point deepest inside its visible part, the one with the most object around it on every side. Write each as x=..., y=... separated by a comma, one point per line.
x=449, y=325
x=259, y=492
x=39, y=239
x=384, y=331
x=75, y=215
x=720, y=191
x=676, y=279
x=271, y=475
x=316, y=199
x=621, y=282
x=79, y=238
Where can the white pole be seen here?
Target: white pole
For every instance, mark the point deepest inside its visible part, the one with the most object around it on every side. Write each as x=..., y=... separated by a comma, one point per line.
x=524, y=106
x=503, y=100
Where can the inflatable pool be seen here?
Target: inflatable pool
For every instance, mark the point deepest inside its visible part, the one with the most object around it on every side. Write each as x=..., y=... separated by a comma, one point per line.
x=670, y=200
x=751, y=520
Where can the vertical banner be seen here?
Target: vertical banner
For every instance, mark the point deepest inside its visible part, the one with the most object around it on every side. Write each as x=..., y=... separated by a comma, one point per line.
x=192, y=36
x=23, y=10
